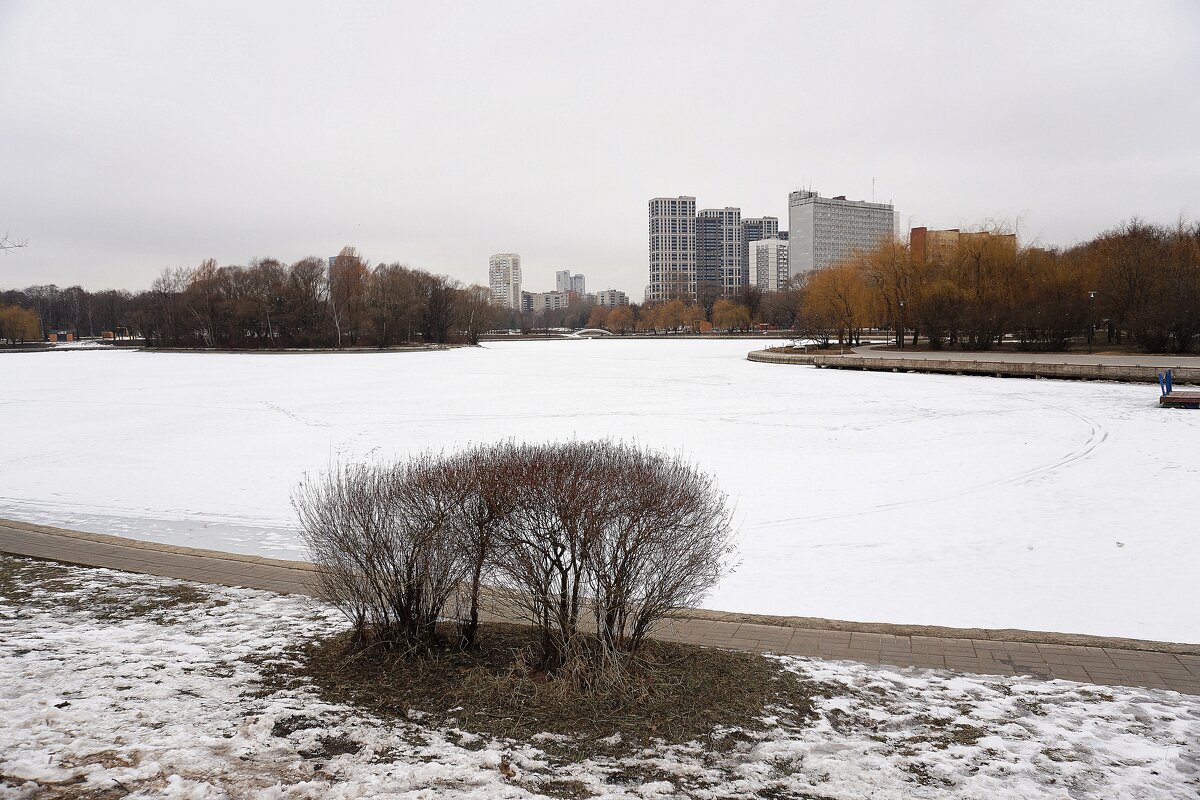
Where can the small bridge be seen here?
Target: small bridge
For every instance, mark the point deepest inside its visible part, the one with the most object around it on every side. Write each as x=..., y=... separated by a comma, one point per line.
x=589, y=333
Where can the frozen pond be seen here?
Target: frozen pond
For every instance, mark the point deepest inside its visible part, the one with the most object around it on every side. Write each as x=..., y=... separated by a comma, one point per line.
x=866, y=496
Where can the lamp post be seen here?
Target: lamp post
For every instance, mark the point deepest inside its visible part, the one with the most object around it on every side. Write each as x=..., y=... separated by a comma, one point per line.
x=900, y=329
x=1091, y=319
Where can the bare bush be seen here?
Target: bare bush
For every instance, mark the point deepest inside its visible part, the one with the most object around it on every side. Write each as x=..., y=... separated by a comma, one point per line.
x=484, y=500
x=664, y=543
x=608, y=532
x=594, y=543
x=386, y=546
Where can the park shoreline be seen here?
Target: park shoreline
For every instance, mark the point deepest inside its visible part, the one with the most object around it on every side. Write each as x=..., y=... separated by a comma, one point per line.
x=950, y=364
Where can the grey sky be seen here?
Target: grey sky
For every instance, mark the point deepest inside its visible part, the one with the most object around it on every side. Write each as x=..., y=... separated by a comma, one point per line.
x=135, y=136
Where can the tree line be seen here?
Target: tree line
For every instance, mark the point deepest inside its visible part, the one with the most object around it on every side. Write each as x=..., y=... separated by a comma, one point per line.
x=315, y=302
x=1137, y=282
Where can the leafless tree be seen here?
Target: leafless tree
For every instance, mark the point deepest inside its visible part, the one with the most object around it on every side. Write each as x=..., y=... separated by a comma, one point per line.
x=8, y=243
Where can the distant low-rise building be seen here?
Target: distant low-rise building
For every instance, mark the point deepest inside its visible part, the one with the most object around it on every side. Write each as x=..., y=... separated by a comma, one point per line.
x=927, y=245
x=541, y=302
x=611, y=297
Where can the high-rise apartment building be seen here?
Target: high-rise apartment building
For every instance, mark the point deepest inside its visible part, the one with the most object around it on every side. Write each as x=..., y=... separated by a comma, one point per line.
x=769, y=269
x=564, y=281
x=825, y=230
x=672, y=248
x=504, y=279
x=719, y=248
x=754, y=229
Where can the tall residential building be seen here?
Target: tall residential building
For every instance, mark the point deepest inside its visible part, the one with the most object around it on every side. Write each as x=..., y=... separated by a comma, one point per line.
x=564, y=281
x=504, y=279
x=611, y=297
x=754, y=229
x=769, y=269
x=672, y=248
x=719, y=248
x=825, y=230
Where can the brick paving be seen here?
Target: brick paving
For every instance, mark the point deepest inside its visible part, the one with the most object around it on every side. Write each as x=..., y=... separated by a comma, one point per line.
x=1100, y=665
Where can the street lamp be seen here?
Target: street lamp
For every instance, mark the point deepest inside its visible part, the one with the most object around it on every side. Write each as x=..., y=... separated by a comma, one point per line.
x=1091, y=319
x=900, y=330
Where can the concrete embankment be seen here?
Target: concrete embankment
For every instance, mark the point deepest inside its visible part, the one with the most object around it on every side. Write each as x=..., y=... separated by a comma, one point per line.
x=1138, y=373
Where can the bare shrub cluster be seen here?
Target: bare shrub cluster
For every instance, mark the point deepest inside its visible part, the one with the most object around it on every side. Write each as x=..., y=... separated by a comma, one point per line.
x=594, y=543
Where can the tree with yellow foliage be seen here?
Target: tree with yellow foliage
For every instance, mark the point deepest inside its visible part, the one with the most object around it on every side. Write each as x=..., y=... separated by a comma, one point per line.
x=730, y=315
x=619, y=319
x=838, y=298
x=19, y=325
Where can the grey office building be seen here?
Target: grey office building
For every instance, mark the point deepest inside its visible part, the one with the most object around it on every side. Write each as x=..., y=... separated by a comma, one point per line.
x=826, y=230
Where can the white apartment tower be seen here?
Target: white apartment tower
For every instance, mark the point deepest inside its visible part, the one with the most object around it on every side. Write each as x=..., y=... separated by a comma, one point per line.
x=672, y=248
x=769, y=269
x=504, y=279
x=825, y=230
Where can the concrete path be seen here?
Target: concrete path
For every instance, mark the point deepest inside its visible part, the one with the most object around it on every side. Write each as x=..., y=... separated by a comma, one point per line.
x=954, y=354
x=1094, y=664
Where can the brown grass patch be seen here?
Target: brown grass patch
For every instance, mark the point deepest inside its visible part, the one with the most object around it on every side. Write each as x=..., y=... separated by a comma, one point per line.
x=675, y=693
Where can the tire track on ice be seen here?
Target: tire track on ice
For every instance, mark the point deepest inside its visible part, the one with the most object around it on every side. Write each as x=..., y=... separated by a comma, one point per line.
x=1096, y=436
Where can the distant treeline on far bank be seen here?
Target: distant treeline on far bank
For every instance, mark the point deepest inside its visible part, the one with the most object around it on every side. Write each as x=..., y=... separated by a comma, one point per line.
x=1137, y=282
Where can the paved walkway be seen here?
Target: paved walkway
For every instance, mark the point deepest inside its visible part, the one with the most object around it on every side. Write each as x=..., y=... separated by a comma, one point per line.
x=951, y=354
x=1094, y=664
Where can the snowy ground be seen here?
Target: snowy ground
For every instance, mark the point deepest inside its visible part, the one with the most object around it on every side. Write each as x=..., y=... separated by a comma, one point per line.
x=168, y=703
x=866, y=496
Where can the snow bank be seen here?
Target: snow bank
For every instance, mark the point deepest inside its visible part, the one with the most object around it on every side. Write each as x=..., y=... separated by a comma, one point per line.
x=171, y=705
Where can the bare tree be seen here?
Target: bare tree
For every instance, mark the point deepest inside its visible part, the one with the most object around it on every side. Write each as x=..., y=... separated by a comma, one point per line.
x=8, y=243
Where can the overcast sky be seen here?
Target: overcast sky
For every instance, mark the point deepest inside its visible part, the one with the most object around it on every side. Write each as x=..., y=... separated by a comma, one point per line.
x=137, y=136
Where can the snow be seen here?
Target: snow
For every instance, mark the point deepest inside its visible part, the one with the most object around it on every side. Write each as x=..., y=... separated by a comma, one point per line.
x=961, y=501
x=171, y=705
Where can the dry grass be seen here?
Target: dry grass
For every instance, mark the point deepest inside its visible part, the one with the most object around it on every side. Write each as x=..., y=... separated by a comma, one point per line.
x=675, y=693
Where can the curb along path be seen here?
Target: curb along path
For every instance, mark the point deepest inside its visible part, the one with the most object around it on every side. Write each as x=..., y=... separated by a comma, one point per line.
x=1092, y=664
x=1046, y=368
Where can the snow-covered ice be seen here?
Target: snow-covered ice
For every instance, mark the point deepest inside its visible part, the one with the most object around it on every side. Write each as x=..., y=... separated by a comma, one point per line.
x=171, y=704
x=867, y=496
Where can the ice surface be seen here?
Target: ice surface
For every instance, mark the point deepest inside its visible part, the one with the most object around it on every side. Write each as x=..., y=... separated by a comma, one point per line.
x=867, y=496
